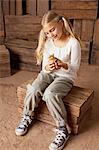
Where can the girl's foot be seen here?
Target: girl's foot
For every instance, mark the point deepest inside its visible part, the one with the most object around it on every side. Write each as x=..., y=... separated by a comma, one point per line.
x=24, y=123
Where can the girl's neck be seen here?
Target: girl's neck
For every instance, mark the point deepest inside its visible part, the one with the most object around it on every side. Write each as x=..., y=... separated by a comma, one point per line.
x=62, y=41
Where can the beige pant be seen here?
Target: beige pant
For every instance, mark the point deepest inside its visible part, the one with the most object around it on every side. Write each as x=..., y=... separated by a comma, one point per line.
x=52, y=89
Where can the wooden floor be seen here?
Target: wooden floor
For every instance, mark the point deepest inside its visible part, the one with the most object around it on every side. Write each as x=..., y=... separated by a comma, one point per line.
x=40, y=135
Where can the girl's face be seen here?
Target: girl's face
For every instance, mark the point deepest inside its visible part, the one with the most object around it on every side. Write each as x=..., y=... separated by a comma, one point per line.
x=54, y=30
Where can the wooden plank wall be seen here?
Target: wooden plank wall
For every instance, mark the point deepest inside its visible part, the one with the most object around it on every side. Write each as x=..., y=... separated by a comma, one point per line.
x=77, y=9
x=33, y=7
x=21, y=40
x=12, y=7
x=42, y=6
x=15, y=7
x=18, y=7
x=24, y=27
x=1, y=25
x=95, y=46
x=83, y=14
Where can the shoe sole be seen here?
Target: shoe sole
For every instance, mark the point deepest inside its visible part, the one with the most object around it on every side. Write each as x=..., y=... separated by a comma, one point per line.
x=20, y=133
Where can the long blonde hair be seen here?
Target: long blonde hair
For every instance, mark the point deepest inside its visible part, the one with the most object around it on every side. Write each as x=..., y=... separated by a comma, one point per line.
x=47, y=18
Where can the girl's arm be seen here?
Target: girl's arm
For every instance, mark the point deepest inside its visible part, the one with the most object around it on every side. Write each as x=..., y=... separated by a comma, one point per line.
x=75, y=56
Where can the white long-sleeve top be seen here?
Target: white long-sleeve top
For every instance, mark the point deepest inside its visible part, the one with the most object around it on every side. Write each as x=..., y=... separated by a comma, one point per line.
x=70, y=53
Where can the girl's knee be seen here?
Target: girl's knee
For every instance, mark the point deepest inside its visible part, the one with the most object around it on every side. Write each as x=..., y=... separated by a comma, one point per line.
x=48, y=95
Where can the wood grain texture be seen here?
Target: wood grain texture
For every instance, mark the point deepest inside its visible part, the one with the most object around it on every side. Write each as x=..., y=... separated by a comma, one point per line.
x=18, y=7
x=22, y=27
x=4, y=62
x=42, y=7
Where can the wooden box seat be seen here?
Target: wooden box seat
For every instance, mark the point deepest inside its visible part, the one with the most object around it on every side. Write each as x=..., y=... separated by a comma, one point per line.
x=77, y=102
x=4, y=62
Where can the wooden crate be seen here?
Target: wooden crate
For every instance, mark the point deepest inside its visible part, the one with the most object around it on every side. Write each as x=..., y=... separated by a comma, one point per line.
x=77, y=103
x=76, y=123
x=4, y=62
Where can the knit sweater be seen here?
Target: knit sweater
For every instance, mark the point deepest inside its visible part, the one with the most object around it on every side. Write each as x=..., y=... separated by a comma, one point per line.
x=70, y=53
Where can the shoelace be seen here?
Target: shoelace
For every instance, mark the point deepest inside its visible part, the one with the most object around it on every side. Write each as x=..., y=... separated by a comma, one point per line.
x=25, y=121
x=60, y=136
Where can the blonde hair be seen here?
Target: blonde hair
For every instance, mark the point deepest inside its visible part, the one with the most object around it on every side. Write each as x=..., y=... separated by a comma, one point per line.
x=48, y=18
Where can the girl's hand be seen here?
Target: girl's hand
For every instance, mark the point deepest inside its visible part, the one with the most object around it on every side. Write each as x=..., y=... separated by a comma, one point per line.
x=50, y=67
x=56, y=64
x=59, y=64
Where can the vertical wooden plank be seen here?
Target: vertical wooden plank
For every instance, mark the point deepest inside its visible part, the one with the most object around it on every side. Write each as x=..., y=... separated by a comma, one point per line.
x=96, y=35
x=95, y=57
x=1, y=25
x=95, y=46
x=42, y=7
x=77, y=24
x=18, y=7
x=28, y=6
x=6, y=7
x=12, y=7
x=87, y=30
x=31, y=7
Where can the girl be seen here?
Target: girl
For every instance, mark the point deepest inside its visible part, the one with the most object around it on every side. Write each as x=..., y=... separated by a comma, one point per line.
x=59, y=51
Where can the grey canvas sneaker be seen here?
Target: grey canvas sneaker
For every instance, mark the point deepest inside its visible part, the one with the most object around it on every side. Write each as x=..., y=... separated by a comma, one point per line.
x=24, y=123
x=60, y=140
